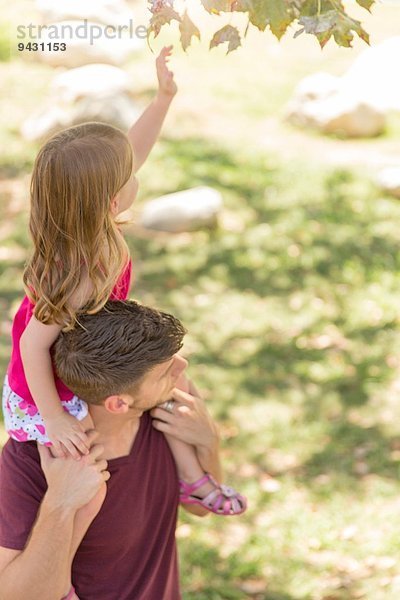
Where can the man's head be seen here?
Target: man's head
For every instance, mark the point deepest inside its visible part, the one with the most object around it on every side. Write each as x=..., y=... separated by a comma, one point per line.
x=125, y=349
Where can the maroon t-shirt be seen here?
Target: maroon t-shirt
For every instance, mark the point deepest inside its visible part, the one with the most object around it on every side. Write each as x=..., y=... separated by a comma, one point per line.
x=129, y=551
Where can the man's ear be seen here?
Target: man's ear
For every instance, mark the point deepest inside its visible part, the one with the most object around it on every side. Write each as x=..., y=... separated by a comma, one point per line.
x=117, y=404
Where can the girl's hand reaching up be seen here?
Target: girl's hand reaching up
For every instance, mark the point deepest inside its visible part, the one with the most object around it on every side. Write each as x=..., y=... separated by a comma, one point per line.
x=166, y=82
x=67, y=435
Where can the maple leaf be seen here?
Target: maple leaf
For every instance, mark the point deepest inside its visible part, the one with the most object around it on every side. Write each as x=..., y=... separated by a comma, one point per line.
x=366, y=4
x=218, y=6
x=226, y=34
x=312, y=8
x=318, y=23
x=323, y=37
x=162, y=17
x=188, y=30
x=277, y=14
x=156, y=5
x=332, y=23
x=343, y=32
x=323, y=18
x=280, y=16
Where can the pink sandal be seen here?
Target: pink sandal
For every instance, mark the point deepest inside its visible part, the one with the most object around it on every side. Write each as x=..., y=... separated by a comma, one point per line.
x=222, y=500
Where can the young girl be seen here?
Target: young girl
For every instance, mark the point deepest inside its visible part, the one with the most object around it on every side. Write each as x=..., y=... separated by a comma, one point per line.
x=83, y=178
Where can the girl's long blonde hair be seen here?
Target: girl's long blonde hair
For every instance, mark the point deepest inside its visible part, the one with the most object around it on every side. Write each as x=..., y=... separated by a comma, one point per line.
x=75, y=176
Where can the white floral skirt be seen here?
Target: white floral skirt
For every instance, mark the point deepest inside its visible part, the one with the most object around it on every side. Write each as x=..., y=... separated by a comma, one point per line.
x=23, y=421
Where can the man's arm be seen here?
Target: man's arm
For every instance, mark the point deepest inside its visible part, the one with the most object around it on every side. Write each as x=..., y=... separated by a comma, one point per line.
x=42, y=571
x=144, y=133
x=192, y=424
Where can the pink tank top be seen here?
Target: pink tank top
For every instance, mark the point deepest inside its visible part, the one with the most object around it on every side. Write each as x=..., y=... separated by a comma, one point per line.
x=15, y=373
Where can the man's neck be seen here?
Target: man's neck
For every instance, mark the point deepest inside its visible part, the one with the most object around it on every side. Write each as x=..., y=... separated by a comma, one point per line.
x=116, y=432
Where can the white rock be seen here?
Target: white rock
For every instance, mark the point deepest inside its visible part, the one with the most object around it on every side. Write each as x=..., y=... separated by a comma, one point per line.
x=89, y=81
x=354, y=105
x=374, y=75
x=316, y=86
x=112, y=12
x=44, y=122
x=82, y=46
x=118, y=110
x=372, y=78
x=187, y=210
x=341, y=114
x=389, y=180
x=349, y=116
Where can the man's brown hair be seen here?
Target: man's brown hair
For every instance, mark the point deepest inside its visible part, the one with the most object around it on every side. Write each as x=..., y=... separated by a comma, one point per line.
x=109, y=352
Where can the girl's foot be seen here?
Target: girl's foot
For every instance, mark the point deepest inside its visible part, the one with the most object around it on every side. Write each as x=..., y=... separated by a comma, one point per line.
x=219, y=499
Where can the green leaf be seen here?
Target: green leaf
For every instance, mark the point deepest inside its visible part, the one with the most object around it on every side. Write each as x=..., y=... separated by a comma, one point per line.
x=344, y=28
x=322, y=18
x=226, y=34
x=275, y=13
x=319, y=23
x=188, y=30
x=366, y=3
x=333, y=23
x=323, y=37
x=311, y=8
x=217, y=6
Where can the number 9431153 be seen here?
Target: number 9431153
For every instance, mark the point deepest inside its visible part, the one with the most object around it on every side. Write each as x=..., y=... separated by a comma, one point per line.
x=42, y=46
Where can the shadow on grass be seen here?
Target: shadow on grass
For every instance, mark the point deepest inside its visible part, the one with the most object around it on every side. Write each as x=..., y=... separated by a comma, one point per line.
x=351, y=455
x=231, y=578
x=287, y=365
x=331, y=235
x=351, y=451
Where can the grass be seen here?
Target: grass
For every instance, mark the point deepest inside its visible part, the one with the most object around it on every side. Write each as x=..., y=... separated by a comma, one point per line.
x=4, y=43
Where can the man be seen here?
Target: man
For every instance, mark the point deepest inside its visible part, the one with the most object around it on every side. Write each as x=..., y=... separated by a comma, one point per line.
x=59, y=521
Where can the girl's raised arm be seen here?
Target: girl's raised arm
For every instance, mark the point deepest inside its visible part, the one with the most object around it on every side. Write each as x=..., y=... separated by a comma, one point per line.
x=144, y=133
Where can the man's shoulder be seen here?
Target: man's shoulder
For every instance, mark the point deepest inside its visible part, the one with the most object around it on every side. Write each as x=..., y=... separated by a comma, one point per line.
x=20, y=455
x=22, y=487
x=20, y=449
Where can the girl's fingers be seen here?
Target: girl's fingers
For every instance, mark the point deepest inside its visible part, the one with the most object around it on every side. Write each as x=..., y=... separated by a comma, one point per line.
x=72, y=450
x=165, y=51
x=83, y=440
x=79, y=444
x=58, y=450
